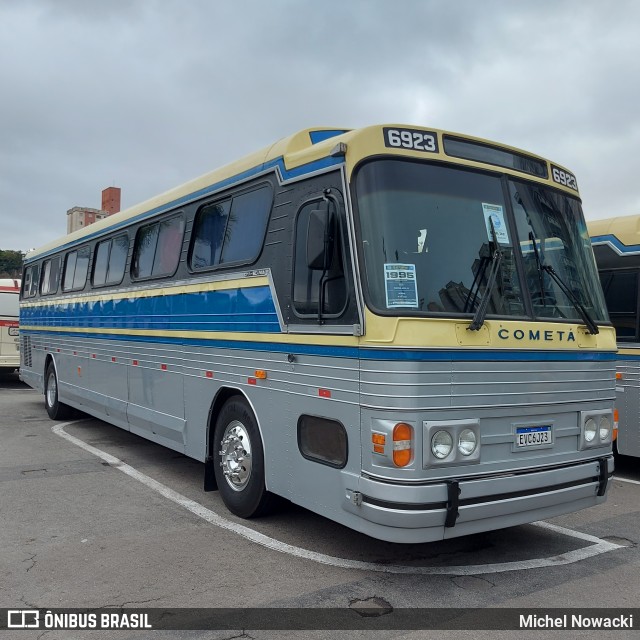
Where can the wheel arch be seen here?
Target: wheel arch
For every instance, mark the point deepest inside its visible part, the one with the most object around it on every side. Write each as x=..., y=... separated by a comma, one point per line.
x=47, y=361
x=222, y=396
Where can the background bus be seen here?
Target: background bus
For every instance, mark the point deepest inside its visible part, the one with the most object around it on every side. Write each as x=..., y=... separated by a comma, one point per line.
x=9, y=340
x=396, y=327
x=616, y=244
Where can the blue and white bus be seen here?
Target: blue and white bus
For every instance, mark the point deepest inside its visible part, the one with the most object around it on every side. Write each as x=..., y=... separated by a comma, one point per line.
x=396, y=327
x=616, y=244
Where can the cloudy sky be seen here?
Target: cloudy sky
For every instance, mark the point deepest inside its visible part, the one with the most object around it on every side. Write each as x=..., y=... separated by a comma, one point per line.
x=146, y=94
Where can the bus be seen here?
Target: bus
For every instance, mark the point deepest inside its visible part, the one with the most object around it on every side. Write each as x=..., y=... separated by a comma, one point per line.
x=616, y=245
x=396, y=327
x=9, y=341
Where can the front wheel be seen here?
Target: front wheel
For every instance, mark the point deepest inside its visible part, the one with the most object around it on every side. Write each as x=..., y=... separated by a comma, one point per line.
x=56, y=409
x=239, y=456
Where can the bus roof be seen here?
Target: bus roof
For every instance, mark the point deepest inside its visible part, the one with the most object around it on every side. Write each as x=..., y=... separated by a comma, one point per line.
x=624, y=229
x=9, y=284
x=303, y=152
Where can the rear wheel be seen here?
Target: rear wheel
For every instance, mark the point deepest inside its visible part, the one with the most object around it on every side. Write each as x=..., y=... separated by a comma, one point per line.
x=239, y=461
x=56, y=409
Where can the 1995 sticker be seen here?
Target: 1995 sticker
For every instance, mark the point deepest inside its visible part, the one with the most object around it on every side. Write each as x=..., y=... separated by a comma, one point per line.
x=411, y=139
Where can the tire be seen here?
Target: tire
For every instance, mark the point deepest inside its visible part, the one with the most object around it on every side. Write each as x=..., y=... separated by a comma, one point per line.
x=239, y=461
x=56, y=410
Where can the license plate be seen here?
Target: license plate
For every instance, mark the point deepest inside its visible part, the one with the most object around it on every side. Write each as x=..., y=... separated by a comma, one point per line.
x=533, y=436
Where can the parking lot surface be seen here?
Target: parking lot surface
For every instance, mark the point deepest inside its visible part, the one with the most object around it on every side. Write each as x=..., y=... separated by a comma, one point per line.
x=95, y=517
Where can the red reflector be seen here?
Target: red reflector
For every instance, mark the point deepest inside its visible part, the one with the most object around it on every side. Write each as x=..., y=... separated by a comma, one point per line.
x=113, y=359
x=209, y=374
x=324, y=393
x=93, y=355
x=58, y=350
x=252, y=381
x=163, y=367
x=135, y=363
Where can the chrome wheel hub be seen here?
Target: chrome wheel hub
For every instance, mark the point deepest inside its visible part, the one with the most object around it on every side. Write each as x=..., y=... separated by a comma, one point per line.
x=52, y=389
x=235, y=455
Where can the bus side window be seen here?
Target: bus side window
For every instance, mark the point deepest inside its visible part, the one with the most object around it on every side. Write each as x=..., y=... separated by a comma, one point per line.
x=117, y=259
x=50, y=276
x=76, y=267
x=306, y=281
x=169, y=247
x=100, y=263
x=621, y=295
x=232, y=230
x=31, y=281
x=157, y=248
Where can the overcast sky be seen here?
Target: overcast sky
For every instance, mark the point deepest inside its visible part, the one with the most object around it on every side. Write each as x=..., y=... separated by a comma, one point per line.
x=146, y=94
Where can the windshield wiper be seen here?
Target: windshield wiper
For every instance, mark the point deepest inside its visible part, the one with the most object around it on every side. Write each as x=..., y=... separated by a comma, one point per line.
x=496, y=259
x=584, y=314
x=591, y=325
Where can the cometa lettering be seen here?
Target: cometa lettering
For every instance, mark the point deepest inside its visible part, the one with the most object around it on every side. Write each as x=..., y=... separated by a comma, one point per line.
x=537, y=335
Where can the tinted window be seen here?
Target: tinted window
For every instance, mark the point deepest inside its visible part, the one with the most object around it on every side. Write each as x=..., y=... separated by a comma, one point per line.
x=169, y=247
x=50, y=276
x=117, y=259
x=31, y=281
x=76, y=267
x=69, y=270
x=110, y=261
x=100, y=263
x=246, y=225
x=621, y=295
x=306, y=282
x=157, y=248
x=231, y=230
x=210, y=226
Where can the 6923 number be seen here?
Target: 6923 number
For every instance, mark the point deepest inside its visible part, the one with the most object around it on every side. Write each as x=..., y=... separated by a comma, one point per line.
x=411, y=139
x=564, y=178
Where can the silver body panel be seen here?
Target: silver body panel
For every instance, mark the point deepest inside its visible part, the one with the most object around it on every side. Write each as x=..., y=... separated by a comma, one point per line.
x=628, y=405
x=171, y=407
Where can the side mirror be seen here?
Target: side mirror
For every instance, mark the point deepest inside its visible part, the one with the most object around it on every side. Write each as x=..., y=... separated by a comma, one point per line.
x=320, y=237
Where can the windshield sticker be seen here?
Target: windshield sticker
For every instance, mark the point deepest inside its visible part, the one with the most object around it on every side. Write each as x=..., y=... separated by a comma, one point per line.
x=495, y=213
x=401, y=285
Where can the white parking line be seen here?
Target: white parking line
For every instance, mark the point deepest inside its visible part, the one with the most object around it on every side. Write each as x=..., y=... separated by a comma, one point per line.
x=597, y=547
x=625, y=480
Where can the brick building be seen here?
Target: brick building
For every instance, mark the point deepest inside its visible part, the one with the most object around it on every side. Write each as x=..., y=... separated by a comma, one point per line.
x=80, y=217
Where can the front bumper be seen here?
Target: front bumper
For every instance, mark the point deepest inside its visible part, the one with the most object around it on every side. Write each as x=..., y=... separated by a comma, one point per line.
x=424, y=513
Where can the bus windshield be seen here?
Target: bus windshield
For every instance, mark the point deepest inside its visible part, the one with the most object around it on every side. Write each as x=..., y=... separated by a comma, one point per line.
x=430, y=236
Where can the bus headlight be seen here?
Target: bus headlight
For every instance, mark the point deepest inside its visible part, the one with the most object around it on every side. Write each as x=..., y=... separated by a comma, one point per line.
x=467, y=442
x=605, y=428
x=590, y=430
x=596, y=429
x=441, y=444
x=450, y=443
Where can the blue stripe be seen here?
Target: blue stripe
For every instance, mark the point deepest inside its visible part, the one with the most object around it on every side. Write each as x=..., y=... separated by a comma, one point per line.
x=362, y=353
x=611, y=239
x=321, y=136
x=286, y=174
x=247, y=309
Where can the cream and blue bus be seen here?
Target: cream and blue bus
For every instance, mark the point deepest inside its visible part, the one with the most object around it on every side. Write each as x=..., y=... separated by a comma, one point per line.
x=616, y=244
x=396, y=327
